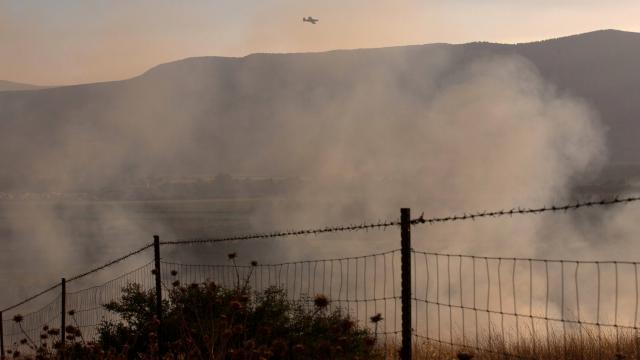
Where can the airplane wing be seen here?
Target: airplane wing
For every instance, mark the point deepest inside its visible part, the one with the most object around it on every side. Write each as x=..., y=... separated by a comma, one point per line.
x=309, y=20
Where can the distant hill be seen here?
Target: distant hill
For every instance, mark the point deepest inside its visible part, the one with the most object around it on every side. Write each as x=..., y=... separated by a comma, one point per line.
x=13, y=86
x=241, y=115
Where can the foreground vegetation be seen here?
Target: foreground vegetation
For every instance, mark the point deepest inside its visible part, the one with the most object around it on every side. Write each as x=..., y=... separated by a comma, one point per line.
x=207, y=321
x=574, y=349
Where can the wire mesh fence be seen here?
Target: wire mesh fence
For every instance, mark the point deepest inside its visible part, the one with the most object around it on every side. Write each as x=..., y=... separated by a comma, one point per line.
x=25, y=328
x=85, y=307
x=526, y=307
x=361, y=286
x=490, y=306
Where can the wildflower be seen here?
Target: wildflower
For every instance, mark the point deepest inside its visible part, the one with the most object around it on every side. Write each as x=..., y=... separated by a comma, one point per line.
x=376, y=318
x=279, y=347
x=232, y=255
x=153, y=271
x=53, y=332
x=18, y=318
x=264, y=331
x=45, y=328
x=235, y=305
x=44, y=336
x=321, y=301
x=347, y=325
x=265, y=353
x=298, y=348
x=174, y=273
x=176, y=283
x=254, y=263
x=238, y=329
x=463, y=355
x=23, y=341
x=324, y=347
x=72, y=312
x=370, y=341
x=237, y=354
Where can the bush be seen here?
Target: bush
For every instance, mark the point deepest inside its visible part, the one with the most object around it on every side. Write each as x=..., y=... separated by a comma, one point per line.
x=207, y=321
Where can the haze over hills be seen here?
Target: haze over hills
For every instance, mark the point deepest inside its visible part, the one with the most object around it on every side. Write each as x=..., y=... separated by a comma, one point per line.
x=253, y=115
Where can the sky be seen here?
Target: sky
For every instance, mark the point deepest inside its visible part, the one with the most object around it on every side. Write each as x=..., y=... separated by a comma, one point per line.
x=56, y=42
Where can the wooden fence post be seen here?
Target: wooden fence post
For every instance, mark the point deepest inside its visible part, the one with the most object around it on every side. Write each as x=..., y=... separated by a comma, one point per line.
x=156, y=255
x=1, y=336
x=63, y=315
x=405, y=271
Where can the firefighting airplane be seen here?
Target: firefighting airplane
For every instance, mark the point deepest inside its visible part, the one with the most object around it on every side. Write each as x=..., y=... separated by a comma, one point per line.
x=310, y=20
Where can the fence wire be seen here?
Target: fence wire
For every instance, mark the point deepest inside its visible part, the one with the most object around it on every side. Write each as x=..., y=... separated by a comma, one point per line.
x=361, y=286
x=526, y=307
x=84, y=310
x=23, y=330
x=527, y=210
x=509, y=307
x=505, y=307
x=85, y=307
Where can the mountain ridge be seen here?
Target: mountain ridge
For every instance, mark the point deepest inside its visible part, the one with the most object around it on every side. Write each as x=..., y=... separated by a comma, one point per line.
x=258, y=54
x=6, y=85
x=163, y=120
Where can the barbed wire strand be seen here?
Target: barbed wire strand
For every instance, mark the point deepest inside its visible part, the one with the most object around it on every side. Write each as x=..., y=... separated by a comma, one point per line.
x=419, y=220
x=364, y=226
x=32, y=297
x=76, y=277
x=526, y=211
x=112, y=262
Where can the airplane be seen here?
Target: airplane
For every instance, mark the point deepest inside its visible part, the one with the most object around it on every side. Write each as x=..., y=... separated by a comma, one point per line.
x=309, y=19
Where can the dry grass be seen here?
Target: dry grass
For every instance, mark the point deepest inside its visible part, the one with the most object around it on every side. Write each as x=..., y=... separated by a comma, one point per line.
x=588, y=345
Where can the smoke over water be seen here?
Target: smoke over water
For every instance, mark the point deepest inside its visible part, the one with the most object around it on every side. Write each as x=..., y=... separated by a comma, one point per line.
x=432, y=135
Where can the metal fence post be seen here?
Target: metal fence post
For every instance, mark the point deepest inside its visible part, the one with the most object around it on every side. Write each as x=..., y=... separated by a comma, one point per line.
x=1, y=336
x=156, y=255
x=405, y=271
x=63, y=314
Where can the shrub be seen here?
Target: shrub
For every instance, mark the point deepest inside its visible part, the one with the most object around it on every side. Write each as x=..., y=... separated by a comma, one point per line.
x=207, y=321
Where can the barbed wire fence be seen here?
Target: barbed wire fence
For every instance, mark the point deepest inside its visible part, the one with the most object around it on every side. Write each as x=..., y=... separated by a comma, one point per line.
x=430, y=302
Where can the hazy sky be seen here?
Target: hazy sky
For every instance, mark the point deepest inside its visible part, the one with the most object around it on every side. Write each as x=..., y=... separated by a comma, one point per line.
x=76, y=41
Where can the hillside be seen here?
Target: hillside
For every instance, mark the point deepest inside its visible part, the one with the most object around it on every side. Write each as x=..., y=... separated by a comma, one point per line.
x=251, y=115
